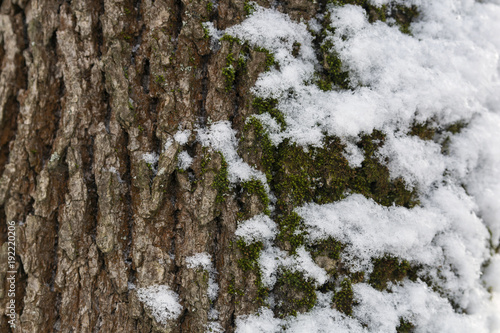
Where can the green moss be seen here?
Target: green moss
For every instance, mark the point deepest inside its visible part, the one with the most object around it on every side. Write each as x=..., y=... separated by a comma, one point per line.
x=404, y=16
x=270, y=60
x=126, y=36
x=389, y=269
x=372, y=179
x=424, y=131
x=291, y=231
x=231, y=39
x=296, y=292
x=232, y=290
x=343, y=299
x=160, y=79
x=456, y=127
x=296, y=49
x=263, y=144
x=324, y=84
x=229, y=72
x=318, y=175
x=206, y=33
x=249, y=8
x=242, y=64
x=347, y=2
x=221, y=182
x=204, y=161
x=328, y=247
x=334, y=73
x=323, y=175
x=405, y=326
x=263, y=105
x=250, y=254
x=256, y=187
x=210, y=6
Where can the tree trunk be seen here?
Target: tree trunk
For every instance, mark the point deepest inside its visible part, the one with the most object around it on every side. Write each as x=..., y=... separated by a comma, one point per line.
x=111, y=189
x=86, y=89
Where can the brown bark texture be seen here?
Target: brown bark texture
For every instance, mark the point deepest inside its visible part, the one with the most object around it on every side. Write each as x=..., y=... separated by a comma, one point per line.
x=87, y=87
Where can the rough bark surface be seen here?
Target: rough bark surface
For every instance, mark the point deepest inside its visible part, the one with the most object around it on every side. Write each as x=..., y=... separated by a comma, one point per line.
x=86, y=89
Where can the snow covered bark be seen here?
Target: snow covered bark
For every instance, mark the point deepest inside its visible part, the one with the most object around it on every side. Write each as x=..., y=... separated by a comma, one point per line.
x=190, y=166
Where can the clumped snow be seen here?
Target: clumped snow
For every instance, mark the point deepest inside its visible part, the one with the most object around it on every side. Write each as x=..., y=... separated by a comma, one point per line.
x=258, y=228
x=184, y=160
x=152, y=160
x=163, y=302
x=182, y=137
x=446, y=72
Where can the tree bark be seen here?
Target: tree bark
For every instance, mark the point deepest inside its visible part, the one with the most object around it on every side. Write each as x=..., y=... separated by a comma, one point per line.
x=90, y=93
x=86, y=89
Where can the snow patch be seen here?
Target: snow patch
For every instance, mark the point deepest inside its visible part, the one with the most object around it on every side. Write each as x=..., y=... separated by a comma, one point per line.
x=163, y=302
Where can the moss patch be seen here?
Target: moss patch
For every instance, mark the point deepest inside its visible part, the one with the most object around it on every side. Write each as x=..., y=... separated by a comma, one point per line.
x=296, y=292
x=291, y=231
x=221, y=182
x=262, y=148
x=390, y=269
x=372, y=179
x=256, y=187
x=229, y=72
x=405, y=326
x=343, y=299
x=328, y=247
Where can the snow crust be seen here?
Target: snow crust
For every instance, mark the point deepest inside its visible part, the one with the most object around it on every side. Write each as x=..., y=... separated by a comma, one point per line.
x=446, y=72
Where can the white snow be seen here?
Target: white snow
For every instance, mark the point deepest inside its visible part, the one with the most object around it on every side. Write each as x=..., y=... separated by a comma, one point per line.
x=447, y=71
x=203, y=260
x=182, y=137
x=163, y=302
x=184, y=160
x=258, y=228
